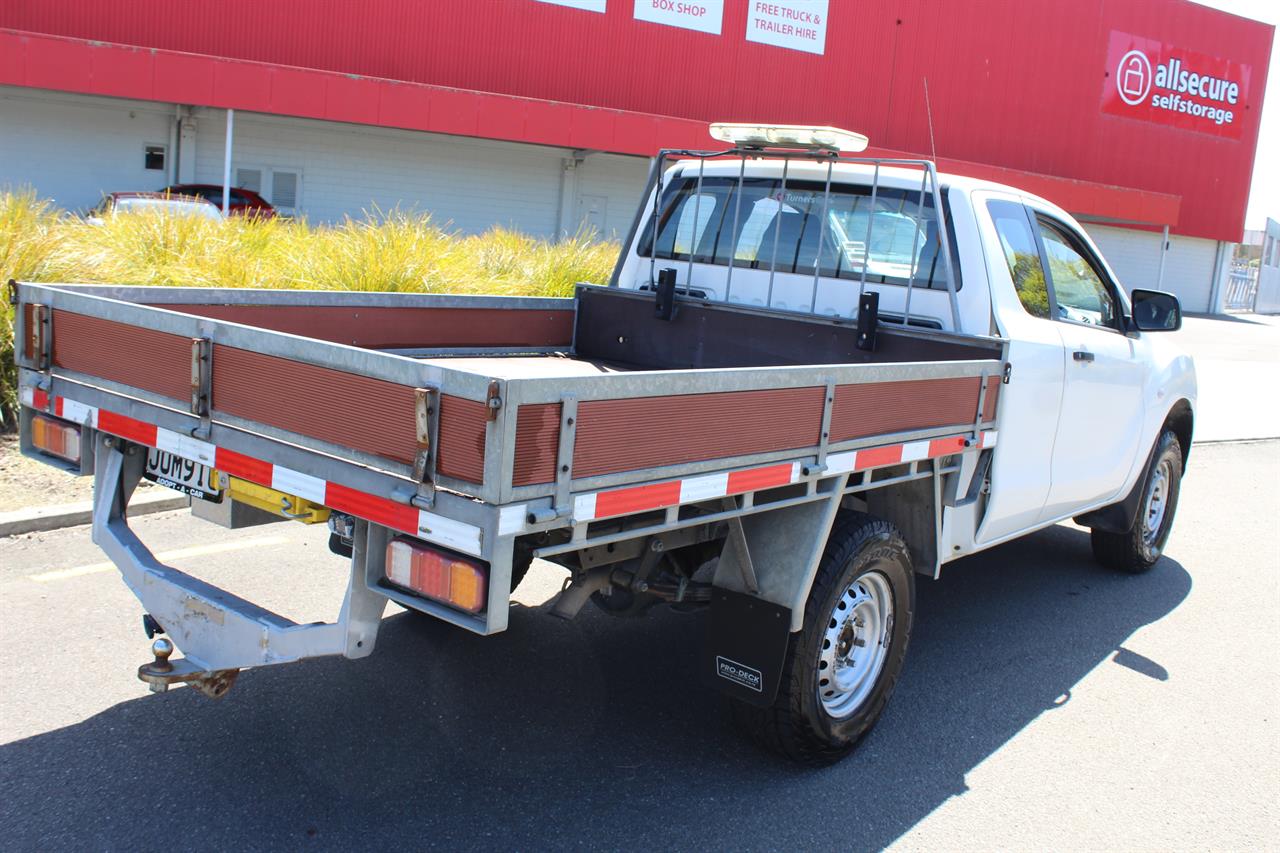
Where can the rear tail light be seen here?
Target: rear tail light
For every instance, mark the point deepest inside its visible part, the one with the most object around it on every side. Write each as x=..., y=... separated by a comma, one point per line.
x=55, y=437
x=446, y=577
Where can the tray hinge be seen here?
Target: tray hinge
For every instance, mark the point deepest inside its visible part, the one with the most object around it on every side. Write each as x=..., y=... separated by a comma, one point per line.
x=426, y=417
x=493, y=400
x=202, y=384
x=40, y=337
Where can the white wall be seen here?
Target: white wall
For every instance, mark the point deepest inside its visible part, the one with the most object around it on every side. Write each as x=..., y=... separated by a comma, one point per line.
x=1134, y=256
x=620, y=181
x=473, y=184
x=73, y=148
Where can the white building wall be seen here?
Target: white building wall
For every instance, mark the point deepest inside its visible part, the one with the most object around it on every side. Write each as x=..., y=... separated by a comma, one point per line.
x=74, y=148
x=470, y=184
x=619, y=181
x=1134, y=256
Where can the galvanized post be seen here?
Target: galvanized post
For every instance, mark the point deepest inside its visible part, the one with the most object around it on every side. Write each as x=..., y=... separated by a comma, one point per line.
x=226, y=161
x=917, y=255
x=822, y=234
x=693, y=238
x=737, y=211
x=871, y=218
x=944, y=246
x=777, y=229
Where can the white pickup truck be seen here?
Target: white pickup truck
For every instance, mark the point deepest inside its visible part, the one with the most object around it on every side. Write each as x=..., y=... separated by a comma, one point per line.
x=784, y=407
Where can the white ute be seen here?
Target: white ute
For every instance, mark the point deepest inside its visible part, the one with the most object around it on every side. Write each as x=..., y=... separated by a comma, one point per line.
x=811, y=378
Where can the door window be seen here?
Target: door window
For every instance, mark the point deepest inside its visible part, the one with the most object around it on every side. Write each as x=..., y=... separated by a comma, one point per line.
x=1022, y=255
x=1078, y=288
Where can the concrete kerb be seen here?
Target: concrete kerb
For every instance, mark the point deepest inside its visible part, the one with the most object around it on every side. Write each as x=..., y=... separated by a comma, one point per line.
x=39, y=519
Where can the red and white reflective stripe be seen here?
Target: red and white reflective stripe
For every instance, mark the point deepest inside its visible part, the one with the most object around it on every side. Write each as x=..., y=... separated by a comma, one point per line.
x=615, y=502
x=409, y=519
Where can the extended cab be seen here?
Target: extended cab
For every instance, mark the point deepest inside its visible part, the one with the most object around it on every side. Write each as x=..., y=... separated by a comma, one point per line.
x=812, y=378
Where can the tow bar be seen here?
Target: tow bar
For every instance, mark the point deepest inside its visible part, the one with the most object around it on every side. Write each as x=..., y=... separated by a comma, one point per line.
x=160, y=673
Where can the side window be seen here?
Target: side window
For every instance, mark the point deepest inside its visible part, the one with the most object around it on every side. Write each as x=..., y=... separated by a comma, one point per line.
x=1078, y=289
x=1022, y=255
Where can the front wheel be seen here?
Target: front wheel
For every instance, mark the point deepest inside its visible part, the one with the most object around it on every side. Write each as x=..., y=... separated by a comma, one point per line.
x=842, y=667
x=1137, y=549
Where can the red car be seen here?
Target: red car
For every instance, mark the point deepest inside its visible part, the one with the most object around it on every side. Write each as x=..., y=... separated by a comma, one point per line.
x=243, y=202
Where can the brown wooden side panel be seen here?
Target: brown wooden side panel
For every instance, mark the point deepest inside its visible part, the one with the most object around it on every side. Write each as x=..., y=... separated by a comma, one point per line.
x=881, y=408
x=28, y=338
x=646, y=432
x=401, y=328
x=460, y=438
x=624, y=435
x=366, y=414
x=537, y=441
x=131, y=355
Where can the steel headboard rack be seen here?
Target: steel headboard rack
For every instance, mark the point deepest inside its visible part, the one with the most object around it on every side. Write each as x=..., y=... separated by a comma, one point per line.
x=928, y=185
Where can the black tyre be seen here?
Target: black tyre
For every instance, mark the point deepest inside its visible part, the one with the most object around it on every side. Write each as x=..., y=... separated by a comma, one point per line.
x=1139, y=548
x=842, y=667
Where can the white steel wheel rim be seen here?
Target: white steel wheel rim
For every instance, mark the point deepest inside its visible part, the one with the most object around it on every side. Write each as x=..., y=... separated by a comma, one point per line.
x=855, y=644
x=1157, y=503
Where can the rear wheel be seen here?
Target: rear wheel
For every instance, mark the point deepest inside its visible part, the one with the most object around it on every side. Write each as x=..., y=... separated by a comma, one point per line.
x=842, y=667
x=1139, y=548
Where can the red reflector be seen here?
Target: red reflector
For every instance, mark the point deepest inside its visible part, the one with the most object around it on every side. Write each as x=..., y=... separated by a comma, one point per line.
x=446, y=577
x=55, y=437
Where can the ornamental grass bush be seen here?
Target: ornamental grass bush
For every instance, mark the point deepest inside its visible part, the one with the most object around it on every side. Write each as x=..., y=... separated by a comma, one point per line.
x=382, y=251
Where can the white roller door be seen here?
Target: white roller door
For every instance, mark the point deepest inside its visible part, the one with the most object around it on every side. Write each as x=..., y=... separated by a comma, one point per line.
x=1134, y=256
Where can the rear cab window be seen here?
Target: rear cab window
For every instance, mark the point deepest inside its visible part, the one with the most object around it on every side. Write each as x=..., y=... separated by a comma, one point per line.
x=797, y=229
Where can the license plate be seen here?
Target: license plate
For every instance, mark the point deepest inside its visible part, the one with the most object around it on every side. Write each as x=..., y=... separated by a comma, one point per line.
x=192, y=478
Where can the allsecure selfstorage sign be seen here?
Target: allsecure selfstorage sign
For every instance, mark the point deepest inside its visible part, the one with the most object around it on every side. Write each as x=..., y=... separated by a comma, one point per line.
x=1167, y=84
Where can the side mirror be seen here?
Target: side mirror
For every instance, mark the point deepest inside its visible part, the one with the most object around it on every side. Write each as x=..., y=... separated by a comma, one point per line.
x=1155, y=311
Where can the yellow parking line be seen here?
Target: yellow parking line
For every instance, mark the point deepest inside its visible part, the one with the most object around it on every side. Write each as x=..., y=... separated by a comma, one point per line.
x=164, y=557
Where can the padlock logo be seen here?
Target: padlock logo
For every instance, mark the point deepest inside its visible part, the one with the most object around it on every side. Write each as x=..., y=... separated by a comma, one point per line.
x=1133, y=77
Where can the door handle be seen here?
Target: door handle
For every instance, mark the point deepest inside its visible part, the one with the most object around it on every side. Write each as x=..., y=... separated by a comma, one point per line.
x=1082, y=355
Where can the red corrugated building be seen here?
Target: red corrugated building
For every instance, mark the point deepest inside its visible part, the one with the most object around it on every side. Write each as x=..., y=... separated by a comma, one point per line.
x=1136, y=115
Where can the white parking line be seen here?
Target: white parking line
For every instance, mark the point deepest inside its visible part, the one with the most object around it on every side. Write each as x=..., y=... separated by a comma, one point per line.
x=164, y=557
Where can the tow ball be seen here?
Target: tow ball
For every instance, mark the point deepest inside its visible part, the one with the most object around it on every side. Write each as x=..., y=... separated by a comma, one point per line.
x=162, y=672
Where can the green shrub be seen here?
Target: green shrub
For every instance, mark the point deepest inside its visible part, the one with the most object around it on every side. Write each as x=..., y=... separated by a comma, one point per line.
x=394, y=251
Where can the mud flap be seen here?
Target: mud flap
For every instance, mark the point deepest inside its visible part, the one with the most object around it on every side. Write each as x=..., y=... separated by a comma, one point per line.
x=745, y=646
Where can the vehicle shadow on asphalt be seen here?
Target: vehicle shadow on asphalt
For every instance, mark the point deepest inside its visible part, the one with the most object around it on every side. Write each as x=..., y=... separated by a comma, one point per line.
x=592, y=733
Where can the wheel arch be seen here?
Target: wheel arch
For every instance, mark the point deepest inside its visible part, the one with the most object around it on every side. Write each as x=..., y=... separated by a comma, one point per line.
x=1119, y=516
